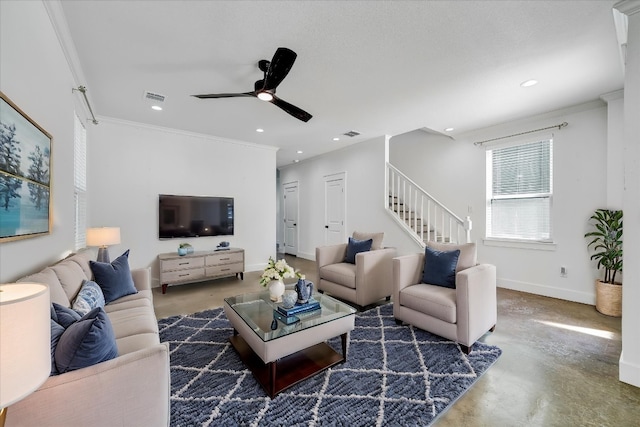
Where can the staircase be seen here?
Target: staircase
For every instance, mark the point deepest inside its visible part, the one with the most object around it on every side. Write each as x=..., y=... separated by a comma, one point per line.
x=420, y=215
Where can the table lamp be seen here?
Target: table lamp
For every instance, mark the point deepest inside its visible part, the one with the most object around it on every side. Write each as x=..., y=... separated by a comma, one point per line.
x=103, y=237
x=25, y=341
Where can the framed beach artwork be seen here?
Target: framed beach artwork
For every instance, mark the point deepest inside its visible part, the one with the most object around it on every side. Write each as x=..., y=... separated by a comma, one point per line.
x=25, y=175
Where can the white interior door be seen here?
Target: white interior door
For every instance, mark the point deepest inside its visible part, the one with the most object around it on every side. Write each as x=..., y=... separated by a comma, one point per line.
x=291, y=218
x=335, y=201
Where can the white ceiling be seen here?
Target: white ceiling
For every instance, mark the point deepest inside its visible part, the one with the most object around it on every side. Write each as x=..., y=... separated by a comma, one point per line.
x=377, y=67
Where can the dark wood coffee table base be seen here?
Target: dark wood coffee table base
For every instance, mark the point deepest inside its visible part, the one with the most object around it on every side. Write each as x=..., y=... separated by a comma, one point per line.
x=274, y=377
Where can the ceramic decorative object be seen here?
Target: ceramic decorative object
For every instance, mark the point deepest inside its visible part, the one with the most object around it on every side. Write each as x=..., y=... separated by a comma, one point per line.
x=182, y=251
x=289, y=299
x=276, y=290
x=304, y=289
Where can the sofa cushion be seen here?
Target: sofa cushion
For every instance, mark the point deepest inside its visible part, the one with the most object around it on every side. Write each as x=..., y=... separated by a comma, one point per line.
x=114, y=278
x=86, y=342
x=71, y=277
x=136, y=342
x=440, y=267
x=436, y=301
x=342, y=273
x=355, y=246
x=132, y=321
x=82, y=258
x=49, y=278
x=468, y=254
x=124, y=304
x=89, y=297
x=376, y=237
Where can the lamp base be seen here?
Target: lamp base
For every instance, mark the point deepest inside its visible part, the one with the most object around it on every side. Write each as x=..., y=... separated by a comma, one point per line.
x=103, y=255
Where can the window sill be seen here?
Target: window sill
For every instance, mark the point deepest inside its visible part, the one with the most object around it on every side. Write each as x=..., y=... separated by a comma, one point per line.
x=520, y=244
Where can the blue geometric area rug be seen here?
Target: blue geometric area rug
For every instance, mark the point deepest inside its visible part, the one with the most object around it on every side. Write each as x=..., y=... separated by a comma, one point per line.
x=394, y=376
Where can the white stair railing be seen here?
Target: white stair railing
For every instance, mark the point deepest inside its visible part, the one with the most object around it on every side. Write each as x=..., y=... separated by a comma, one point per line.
x=421, y=215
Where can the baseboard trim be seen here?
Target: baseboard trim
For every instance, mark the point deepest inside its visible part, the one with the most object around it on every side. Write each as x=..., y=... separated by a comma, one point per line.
x=548, y=291
x=310, y=257
x=629, y=372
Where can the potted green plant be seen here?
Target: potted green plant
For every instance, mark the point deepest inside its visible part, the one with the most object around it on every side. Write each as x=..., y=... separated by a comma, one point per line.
x=606, y=241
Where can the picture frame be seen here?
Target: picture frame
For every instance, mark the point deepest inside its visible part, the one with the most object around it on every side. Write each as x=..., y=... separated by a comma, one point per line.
x=25, y=175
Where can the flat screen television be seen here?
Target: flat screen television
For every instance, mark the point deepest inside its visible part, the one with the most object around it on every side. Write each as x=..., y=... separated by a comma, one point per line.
x=194, y=216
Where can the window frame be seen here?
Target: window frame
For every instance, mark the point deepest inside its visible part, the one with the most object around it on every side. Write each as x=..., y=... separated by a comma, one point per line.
x=518, y=241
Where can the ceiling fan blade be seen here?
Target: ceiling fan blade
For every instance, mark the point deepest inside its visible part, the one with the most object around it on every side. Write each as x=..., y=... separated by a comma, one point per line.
x=279, y=67
x=291, y=109
x=224, y=95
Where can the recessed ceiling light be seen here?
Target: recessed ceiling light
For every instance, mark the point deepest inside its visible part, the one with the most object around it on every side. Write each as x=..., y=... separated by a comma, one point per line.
x=448, y=129
x=156, y=107
x=529, y=83
x=260, y=130
x=299, y=151
x=336, y=139
x=296, y=161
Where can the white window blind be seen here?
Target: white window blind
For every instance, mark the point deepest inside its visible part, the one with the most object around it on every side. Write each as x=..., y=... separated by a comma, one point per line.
x=80, y=182
x=521, y=190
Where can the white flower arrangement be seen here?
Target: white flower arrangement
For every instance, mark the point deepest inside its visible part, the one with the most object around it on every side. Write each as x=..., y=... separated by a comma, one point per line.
x=277, y=270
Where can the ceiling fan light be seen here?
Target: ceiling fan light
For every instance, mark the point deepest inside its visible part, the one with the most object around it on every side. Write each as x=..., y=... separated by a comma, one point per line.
x=265, y=96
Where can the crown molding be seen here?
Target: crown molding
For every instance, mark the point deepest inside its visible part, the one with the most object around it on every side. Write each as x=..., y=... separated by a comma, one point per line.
x=180, y=132
x=612, y=96
x=628, y=7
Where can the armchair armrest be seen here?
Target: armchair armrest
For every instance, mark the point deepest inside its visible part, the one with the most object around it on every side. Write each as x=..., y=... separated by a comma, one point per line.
x=476, y=301
x=407, y=271
x=332, y=254
x=374, y=275
x=141, y=278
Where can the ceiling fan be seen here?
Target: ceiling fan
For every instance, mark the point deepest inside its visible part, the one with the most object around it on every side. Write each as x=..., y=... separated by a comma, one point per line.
x=265, y=89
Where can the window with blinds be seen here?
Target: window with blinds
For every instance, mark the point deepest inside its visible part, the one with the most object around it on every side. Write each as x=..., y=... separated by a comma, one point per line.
x=521, y=190
x=80, y=182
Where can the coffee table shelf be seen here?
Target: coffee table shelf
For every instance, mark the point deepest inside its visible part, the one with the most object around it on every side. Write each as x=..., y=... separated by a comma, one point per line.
x=277, y=376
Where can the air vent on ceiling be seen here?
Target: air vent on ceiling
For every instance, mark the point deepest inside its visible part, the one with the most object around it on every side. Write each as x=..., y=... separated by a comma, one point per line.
x=153, y=96
x=351, y=133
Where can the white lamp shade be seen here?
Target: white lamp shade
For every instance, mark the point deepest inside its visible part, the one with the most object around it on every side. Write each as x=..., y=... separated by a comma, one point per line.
x=25, y=340
x=103, y=236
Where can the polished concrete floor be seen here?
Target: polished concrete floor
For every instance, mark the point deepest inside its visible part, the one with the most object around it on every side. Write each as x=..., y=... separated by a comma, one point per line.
x=559, y=363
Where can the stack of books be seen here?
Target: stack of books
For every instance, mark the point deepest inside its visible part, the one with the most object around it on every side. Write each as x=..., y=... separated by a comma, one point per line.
x=289, y=315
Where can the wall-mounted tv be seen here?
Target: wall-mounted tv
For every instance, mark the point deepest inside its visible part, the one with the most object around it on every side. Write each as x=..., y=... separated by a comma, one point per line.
x=194, y=216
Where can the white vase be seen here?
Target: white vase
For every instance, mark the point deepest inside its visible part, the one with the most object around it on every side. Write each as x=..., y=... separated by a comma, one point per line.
x=276, y=290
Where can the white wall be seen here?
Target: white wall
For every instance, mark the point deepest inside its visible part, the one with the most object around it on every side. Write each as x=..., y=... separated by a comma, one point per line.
x=454, y=172
x=364, y=164
x=630, y=357
x=34, y=74
x=129, y=164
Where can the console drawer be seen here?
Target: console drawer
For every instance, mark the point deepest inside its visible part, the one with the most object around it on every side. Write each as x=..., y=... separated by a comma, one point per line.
x=182, y=263
x=222, y=270
x=225, y=258
x=182, y=275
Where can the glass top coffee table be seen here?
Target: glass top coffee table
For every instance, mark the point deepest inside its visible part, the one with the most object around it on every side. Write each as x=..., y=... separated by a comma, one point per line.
x=288, y=354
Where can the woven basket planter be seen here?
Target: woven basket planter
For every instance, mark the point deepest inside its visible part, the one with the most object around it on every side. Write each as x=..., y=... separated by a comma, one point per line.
x=609, y=299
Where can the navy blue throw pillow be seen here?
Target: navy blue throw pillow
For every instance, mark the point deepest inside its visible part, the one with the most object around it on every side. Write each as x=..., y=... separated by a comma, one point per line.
x=88, y=341
x=440, y=267
x=64, y=316
x=356, y=246
x=114, y=279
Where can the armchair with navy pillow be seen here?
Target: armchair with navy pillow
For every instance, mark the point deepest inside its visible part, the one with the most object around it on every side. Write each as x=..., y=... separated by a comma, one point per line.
x=359, y=271
x=444, y=291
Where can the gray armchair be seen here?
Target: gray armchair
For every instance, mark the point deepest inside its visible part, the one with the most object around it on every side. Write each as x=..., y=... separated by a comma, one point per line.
x=463, y=314
x=365, y=282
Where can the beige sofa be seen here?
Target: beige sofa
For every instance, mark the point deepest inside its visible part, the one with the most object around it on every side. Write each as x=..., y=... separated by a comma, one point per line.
x=130, y=390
